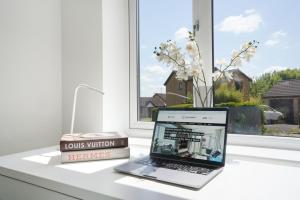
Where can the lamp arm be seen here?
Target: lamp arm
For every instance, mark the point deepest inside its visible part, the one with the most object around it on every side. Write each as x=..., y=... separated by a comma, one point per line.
x=82, y=85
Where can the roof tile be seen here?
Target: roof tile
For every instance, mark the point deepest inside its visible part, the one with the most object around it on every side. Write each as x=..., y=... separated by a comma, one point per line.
x=286, y=88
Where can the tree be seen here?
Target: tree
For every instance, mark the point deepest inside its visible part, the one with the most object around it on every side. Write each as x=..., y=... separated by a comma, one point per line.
x=225, y=93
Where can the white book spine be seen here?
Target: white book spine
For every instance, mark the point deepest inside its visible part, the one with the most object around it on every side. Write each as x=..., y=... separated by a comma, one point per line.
x=99, y=154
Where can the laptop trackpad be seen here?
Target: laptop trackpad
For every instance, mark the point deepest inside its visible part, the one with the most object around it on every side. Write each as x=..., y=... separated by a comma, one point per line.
x=179, y=177
x=148, y=171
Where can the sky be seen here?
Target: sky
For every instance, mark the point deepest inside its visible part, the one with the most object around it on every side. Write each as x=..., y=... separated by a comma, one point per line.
x=235, y=22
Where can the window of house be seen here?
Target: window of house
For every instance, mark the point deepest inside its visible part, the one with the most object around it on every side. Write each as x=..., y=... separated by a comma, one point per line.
x=269, y=102
x=180, y=86
x=238, y=85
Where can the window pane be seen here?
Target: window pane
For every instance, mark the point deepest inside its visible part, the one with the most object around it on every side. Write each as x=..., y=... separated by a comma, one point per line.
x=160, y=21
x=264, y=93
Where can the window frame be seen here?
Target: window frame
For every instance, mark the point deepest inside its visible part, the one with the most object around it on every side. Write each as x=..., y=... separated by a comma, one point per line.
x=134, y=69
x=202, y=13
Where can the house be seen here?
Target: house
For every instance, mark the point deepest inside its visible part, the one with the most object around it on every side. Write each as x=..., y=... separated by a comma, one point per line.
x=174, y=86
x=185, y=88
x=146, y=104
x=241, y=82
x=159, y=100
x=285, y=97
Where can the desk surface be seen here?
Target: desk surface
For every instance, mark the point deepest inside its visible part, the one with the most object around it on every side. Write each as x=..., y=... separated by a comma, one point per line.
x=240, y=179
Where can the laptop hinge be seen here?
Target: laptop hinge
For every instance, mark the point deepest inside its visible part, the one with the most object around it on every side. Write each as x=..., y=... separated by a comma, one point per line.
x=188, y=162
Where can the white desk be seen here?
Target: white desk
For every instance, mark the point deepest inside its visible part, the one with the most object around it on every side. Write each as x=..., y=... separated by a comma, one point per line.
x=38, y=174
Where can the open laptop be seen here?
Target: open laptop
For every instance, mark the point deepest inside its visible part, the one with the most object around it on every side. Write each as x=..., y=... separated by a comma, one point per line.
x=188, y=147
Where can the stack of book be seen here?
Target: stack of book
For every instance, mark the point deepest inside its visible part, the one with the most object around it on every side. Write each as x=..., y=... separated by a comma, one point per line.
x=78, y=147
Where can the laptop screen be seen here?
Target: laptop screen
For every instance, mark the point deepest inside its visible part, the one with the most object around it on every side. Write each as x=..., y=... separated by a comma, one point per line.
x=191, y=134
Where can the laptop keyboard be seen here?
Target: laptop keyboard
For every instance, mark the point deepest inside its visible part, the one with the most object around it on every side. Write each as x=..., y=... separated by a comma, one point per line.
x=175, y=166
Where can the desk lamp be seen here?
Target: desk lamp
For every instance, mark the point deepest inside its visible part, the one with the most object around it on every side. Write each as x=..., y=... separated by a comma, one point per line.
x=75, y=101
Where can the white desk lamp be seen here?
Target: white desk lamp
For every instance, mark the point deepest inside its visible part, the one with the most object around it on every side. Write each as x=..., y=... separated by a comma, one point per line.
x=75, y=100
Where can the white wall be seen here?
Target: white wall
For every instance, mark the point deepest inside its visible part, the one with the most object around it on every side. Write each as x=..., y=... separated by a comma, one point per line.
x=82, y=63
x=30, y=74
x=115, y=65
x=47, y=48
x=88, y=27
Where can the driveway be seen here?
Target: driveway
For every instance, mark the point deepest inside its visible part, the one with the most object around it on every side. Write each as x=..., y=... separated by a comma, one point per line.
x=282, y=130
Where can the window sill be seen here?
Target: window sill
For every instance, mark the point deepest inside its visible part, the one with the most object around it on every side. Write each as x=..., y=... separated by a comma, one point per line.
x=288, y=143
x=41, y=169
x=259, y=154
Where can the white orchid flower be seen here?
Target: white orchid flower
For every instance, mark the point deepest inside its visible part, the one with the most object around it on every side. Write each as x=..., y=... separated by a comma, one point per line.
x=191, y=48
x=221, y=62
x=196, y=72
x=182, y=75
x=228, y=75
x=245, y=45
x=192, y=65
x=249, y=53
x=236, y=59
x=217, y=75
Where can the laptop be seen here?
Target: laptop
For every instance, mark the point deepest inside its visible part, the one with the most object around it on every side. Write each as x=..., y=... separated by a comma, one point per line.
x=188, y=147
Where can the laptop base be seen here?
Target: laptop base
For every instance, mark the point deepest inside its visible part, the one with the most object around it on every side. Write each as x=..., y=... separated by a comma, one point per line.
x=177, y=177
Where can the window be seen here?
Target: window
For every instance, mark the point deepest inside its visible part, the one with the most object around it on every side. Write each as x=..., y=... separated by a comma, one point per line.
x=271, y=80
x=238, y=85
x=223, y=27
x=180, y=85
x=160, y=21
x=152, y=24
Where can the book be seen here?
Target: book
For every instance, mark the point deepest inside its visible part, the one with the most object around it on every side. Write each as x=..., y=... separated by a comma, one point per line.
x=89, y=141
x=92, y=155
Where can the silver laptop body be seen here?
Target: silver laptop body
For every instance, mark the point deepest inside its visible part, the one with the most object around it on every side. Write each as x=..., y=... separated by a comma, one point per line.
x=188, y=147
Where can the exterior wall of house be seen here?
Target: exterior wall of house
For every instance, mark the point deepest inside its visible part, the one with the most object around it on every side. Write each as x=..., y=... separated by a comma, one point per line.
x=145, y=107
x=158, y=100
x=173, y=86
x=245, y=85
x=246, y=88
x=145, y=112
x=189, y=88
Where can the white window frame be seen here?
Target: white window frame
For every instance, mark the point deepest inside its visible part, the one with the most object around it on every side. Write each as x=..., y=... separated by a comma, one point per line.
x=200, y=15
x=202, y=12
x=134, y=69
